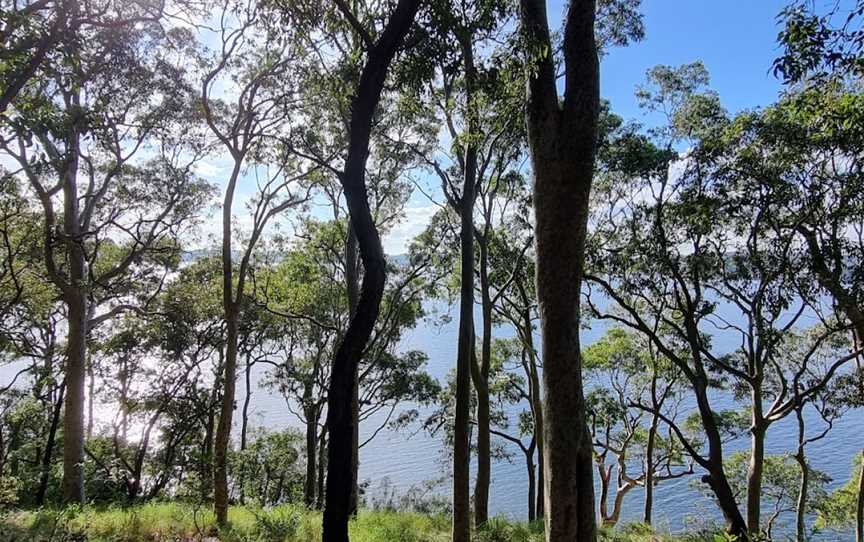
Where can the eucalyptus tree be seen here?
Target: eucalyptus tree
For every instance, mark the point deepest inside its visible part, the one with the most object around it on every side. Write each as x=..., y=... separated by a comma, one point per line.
x=473, y=103
x=562, y=138
x=739, y=265
x=379, y=42
x=633, y=380
x=79, y=132
x=248, y=122
x=308, y=290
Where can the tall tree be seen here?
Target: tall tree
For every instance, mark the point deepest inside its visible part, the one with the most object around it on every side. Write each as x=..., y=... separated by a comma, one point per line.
x=380, y=51
x=562, y=136
x=249, y=127
x=76, y=128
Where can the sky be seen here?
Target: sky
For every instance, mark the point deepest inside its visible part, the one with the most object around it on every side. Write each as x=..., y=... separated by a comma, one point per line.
x=735, y=39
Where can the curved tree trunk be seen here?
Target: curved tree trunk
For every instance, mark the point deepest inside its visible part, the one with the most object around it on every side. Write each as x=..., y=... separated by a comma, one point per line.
x=343, y=380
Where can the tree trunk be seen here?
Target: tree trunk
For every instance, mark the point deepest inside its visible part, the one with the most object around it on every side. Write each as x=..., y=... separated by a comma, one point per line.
x=562, y=141
x=244, y=422
x=532, y=483
x=311, y=458
x=801, y=504
x=465, y=351
x=649, y=465
x=73, y=420
x=226, y=412
x=322, y=469
x=343, y=375
x=481, y=385
x=757, y=463
x=352, y=280
x=48, y=454
x=91, y=393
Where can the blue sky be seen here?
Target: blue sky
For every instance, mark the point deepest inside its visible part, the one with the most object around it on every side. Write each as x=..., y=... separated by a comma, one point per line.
x=735, y=39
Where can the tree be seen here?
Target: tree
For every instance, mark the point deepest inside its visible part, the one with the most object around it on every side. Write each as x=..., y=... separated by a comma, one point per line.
x=562, y=139
x=634, y=380
x=249, y=128
x=90, y=122
x=340, y=421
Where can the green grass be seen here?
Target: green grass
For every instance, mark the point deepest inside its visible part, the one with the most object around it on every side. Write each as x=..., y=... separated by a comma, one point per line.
x=180, y=522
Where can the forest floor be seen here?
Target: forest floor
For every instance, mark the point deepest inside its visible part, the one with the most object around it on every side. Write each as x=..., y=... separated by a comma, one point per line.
x=176, y=522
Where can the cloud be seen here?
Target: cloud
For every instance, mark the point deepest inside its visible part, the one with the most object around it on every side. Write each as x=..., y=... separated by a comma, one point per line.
x=415, y=221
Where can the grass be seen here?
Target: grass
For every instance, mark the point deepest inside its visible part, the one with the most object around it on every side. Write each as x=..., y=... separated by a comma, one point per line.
x=180, y=522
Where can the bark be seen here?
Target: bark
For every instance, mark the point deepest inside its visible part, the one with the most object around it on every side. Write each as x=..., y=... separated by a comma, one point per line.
x=343, y=380
x=649, y=463
x=465, y=363
x=48, y=453
x=91, y=394
x=322, y=469
x=532, y=483
x=76, y=341
x=352, y=280
x=562, y=140
x=754, y=479
x=481, y=385
x=226, y=412
x=311, y=458
x=244, y=422
x=801, y=503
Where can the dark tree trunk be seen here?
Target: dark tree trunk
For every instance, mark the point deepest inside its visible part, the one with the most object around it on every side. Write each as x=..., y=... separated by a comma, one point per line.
x=226, y=412
x=649, y=466
x=562, y=139
x=322, y=469
x=310, y=480
x=48, y=453
x=244, y=422
x=352, y=280
x=465, y=359
x=481, y=385
x=532, y=482
x=343, y=375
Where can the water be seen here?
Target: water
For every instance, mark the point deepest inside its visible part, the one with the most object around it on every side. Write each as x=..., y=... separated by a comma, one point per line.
x=409, y=458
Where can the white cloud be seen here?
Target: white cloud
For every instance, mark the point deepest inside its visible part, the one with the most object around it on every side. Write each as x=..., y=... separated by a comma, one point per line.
x=416, y=219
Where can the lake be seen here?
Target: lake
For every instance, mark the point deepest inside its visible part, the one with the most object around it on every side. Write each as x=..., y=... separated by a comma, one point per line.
x=406, y=459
